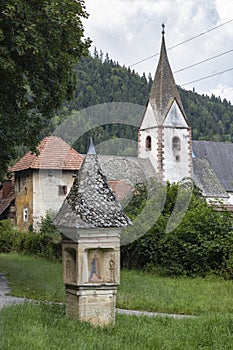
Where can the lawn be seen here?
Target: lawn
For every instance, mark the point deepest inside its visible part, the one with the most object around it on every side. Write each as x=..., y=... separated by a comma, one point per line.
x=45, y=326
x=36, y=278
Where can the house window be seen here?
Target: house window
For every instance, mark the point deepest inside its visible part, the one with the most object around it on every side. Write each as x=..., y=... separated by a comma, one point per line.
x=176, y=143
x=25, y=214
x=148, y=143
x=177, y=158
x=62, y=190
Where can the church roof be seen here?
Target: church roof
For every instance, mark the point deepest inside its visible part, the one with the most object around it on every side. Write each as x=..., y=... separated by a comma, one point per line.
x=54, y=153
x=220, y=157
x=206, y=179
x=131, y=169
x=163, y=90
x=91, y=202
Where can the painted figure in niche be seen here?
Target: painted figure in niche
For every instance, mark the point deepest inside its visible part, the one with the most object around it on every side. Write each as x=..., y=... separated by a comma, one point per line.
x=112, y=270
x=68, y=270
x=94, y=269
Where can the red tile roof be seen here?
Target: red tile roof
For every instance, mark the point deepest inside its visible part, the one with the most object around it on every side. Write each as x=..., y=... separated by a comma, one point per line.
x=54, y=153
x=7, y=198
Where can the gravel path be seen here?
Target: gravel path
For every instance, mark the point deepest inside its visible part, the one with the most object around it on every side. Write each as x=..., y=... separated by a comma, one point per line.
x=4, y=290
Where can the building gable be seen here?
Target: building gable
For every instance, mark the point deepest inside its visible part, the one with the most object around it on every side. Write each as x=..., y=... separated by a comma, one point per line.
x=175, y=117
x=149, y=120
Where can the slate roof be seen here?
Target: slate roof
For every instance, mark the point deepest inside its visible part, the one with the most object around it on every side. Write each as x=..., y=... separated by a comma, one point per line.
x=220, y=158
x=131, y=169
x=164, y=90
x=54, y=153
x=91, y=202
x=205, y=178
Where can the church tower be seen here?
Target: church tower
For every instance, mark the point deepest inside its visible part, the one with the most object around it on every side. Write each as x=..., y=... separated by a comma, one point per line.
x=164, y=134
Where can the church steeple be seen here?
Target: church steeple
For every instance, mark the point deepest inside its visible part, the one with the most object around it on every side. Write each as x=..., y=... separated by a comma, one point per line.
x=163, y=90
x=164, y=135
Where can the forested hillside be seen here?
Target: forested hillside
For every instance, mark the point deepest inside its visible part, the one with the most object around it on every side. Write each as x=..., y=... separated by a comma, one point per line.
x=101, y=80
x=210, y=117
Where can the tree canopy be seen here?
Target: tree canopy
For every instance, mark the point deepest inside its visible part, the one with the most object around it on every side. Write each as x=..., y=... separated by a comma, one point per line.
x=40, y=41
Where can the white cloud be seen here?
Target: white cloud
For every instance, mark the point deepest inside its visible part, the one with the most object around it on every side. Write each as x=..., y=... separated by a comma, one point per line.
x=223, y=91
x=224, y=8
x=130, y=30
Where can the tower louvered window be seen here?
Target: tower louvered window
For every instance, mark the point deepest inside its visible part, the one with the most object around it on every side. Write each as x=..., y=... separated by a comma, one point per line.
x=176, y=143
x=176, y=148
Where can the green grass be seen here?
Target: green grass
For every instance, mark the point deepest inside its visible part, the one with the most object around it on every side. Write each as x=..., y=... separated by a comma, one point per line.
x=39, y=326
x=196, y=296
x=37, y=278
x=33, y=277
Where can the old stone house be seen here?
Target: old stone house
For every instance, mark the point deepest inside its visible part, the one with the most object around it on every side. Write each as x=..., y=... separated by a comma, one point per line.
x=42, y=181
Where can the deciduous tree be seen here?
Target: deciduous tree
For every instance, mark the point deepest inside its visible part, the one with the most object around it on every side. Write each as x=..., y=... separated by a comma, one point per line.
x=40, y=41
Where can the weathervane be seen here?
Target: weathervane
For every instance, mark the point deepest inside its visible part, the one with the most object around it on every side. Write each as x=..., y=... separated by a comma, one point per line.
x=163, y=26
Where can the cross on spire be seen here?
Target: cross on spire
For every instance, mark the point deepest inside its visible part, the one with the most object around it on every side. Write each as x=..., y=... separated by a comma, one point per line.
x=163, y=26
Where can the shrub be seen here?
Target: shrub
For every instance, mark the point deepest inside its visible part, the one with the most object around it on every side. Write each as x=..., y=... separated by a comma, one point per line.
x=7, y=234
x=46, y=224
x=46, y=243
x=201, y=244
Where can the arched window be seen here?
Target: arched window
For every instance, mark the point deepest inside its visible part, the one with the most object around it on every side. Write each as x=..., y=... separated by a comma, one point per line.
x=148, y=143
x=176, y=143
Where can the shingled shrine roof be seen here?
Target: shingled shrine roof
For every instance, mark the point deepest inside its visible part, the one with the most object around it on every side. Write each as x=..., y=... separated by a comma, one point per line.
x=91, y=202
x=54, y=153
x=163, y=90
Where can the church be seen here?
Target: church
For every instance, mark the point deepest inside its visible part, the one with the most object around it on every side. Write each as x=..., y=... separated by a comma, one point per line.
x=166, y=152
x=165, y=137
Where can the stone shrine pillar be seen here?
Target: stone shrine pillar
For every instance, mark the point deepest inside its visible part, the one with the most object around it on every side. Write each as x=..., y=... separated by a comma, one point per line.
x=91, y=274
x=91, y=220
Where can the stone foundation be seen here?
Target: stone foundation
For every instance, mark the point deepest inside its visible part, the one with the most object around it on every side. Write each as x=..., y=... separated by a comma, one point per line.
x=96, y=305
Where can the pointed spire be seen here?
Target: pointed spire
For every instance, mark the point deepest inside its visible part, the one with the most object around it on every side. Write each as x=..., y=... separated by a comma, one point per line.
x=91, y=149
x=163, y=90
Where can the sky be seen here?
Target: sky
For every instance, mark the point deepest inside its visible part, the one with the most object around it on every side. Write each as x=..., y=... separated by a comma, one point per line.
x=130, y=31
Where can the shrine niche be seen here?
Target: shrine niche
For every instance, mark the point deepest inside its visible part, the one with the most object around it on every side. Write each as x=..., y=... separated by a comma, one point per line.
x=69, y=265
x=95, y=266
x=101, y=266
